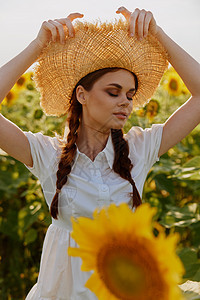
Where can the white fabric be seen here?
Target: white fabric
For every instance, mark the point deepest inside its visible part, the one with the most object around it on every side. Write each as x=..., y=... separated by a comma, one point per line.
x=89, y=185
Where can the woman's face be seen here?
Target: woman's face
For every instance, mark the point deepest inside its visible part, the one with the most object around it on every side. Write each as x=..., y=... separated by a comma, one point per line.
x=110, y=98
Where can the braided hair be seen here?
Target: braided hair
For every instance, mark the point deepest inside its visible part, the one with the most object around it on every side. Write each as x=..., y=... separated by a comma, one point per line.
x=121, y=165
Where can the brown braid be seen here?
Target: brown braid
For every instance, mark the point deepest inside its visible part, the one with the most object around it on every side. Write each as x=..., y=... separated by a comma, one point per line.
x=122, y=164
x=68, y=152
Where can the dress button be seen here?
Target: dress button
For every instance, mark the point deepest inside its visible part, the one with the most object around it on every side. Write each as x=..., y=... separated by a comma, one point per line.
x=98, y=173
x=104, y=188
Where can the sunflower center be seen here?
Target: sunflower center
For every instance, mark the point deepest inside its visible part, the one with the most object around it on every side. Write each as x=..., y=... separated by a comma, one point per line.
x=125, y=273
x=130, y=272
x=173, y=85
x=20, y=81
x=10, y=96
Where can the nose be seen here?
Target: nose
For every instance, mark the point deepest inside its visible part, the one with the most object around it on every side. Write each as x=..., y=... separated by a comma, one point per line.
x=124, y=101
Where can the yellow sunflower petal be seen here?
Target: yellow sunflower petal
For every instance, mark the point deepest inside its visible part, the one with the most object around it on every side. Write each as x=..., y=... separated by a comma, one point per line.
x=88, y=258
x=119, y=217
x=74, y=251
x=140, y=112
x=95, y=284
x=84, y=232
x=144, y=224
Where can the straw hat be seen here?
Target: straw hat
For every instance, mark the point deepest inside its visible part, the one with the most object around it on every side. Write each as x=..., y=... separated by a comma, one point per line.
x=97, y=46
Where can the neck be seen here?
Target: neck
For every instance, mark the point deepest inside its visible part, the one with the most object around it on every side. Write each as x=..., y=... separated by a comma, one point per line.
x=91, y=140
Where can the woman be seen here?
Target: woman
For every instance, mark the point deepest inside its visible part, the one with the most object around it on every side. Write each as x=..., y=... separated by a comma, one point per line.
x=97, y=164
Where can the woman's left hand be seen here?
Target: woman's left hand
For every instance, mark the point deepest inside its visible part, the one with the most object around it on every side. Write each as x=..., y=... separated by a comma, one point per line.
x=141, y=22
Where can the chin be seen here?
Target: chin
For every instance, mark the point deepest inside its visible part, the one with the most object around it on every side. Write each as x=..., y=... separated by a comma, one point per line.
x=118, y=125
x=114, y=124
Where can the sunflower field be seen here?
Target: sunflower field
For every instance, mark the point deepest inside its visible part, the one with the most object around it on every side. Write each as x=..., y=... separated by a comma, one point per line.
x=172, y=186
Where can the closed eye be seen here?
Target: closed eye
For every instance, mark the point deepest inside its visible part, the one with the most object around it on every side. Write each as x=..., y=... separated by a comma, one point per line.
x=113, y=95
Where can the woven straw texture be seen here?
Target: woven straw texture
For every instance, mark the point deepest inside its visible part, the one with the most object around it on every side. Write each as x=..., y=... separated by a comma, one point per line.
x=97, y=46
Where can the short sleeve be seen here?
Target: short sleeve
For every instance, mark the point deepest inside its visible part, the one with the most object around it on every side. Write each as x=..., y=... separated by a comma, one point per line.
x=44, y=151
x=144, y=144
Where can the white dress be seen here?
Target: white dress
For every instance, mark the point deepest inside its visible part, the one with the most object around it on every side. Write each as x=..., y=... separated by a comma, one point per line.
x=90, y=185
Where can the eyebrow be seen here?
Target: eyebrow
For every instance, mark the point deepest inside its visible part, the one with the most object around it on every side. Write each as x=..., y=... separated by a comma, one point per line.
x=119, y=86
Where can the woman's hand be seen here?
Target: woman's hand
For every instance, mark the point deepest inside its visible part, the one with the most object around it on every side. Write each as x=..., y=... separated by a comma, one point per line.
x=141, y=22
x=54, y=30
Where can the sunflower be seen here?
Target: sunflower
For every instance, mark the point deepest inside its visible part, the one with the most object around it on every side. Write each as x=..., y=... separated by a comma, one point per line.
x=25, y=81
x=173, y=83
x=152, y=109
x=128, y=260
x=140, y=112
x=185, y=90
x=11, y=97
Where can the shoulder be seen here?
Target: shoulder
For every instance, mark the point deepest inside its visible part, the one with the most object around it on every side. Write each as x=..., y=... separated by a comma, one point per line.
x=44, y=146
x=135, y=132
x=40, y=140
x=141, y=140
x=138, y=133
x=45, y=151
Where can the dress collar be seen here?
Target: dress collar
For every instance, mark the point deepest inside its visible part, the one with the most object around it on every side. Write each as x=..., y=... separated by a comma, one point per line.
x=108, y=150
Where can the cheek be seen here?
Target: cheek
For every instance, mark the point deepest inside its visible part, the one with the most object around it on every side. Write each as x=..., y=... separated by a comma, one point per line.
x=130, y=108
x=102, y=103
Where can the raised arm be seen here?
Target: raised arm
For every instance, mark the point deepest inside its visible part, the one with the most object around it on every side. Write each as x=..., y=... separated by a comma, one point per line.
x=187, y=117
x=12, y=139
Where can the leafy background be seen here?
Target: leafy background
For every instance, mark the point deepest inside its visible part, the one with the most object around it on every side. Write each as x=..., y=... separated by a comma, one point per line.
x=172, y=185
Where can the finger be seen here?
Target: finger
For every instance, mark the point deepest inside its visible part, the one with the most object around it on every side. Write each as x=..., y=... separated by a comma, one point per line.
x=68, y=22
x=133, y=19
x=140, y=24
x=74, y=16
x=71, y=17
x=51, y=28
x=60, y=30
x=124, y=11
x=147, y=21
x=70, y=28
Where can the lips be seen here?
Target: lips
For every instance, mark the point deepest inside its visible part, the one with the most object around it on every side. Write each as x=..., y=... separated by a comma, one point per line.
x=121, y=113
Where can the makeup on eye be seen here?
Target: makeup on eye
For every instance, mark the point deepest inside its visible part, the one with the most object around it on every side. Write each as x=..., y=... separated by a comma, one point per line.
x=115, y=93
x=131, y=92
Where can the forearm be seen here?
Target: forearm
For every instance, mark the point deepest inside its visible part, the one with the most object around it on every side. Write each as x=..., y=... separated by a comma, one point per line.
x=186, y=66
x=11, y=71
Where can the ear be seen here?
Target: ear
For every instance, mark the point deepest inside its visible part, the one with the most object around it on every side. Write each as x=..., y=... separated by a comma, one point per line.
x=81, y=94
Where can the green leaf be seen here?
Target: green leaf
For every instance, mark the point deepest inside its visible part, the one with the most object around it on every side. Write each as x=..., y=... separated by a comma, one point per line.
x=163, y=183
x=191, y=263
x=193, y=163
x=30, y=236
x=180, y=217
x=38, y=114
x=189, y=171
x=28, y=215
x=197, y=275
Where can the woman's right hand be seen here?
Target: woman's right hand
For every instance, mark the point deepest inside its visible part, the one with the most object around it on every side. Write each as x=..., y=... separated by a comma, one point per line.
x=53, y=30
